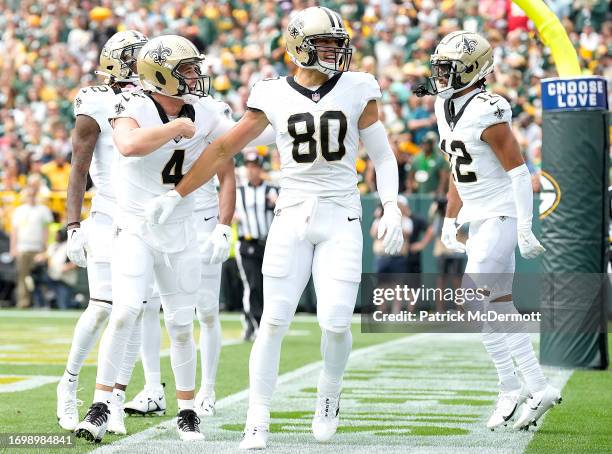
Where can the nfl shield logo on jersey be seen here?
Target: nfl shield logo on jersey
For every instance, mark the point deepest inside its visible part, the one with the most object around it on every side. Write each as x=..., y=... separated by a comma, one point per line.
x=316, y=97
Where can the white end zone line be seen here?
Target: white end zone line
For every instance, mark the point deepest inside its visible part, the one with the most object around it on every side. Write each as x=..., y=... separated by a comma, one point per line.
x=151, y=432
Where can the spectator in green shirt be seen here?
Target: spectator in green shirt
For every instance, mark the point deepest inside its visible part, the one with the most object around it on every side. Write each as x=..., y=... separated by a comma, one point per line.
x=429, y=171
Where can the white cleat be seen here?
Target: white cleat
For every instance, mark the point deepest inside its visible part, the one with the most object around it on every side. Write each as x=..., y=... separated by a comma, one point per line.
x=255, y=437
x=188, y=426
x=326, y=418
x=538, y=404
x=205, y=405
x=116, y=422
x=67, y=403
x=506, y=407
x=148, y=402
x=93, y=427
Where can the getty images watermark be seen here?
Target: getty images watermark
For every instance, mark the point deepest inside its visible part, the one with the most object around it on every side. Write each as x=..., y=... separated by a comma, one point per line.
x=444, y=303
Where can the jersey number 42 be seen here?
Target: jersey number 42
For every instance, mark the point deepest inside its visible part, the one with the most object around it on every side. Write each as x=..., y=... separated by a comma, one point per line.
x=307, y=136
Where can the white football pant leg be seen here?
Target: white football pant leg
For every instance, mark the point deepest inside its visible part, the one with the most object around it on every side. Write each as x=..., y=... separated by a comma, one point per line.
x=178, y=278
x=207, y=308
x=132, y=272
x=98, y=232
x=286, y=269
x=151, y=341
x=336, y=273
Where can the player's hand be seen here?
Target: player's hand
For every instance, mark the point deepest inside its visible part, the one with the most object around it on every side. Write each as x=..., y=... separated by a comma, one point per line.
x=449, y=236
x=219, y=242
x=528, y=244
x=390, y=226
x=161, y=207
x=75, y=249
x=184, y=127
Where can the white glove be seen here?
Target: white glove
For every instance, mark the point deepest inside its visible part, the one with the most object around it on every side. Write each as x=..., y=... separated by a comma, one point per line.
x=449, y=236
x=160, y=208
x=75, y=249
x=528, y=244
x=219, y=241
x=390, y=225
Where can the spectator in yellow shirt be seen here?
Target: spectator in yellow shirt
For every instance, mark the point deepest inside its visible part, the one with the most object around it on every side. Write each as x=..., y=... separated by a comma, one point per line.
x=58, y=172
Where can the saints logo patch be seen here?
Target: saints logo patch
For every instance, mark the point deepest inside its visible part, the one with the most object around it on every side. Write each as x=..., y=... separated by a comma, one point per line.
x=160, y=54
x=499, y=113
x=469, y=45
x=78, y=102
x=119, y=108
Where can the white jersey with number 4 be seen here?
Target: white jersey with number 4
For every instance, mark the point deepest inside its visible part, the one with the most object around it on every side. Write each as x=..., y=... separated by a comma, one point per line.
x=482, y=183
x=140, y=179
x=97, y=102
x=316, y=133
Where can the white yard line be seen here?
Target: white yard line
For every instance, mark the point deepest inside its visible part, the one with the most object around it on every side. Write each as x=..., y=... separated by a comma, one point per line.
x=428, y=393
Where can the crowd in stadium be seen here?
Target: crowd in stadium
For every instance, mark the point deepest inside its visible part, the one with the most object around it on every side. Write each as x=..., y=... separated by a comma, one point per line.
x=49, y=49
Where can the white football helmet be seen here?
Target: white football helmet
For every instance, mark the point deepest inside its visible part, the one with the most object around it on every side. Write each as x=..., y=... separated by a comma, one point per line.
x=309, y=26
x=460, y=60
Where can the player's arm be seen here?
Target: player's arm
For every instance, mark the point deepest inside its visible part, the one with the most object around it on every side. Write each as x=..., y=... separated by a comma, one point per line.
x=132, y=140
x=219, y=239
x=84, y=139
x=227, y=192
x=449, y=227
x=505, y=146
x=251, y=125
x=221, y=150
x=374, y=137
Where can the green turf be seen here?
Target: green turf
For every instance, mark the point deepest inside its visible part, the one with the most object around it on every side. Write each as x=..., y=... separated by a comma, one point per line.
x=583, y=421
x=44, y=341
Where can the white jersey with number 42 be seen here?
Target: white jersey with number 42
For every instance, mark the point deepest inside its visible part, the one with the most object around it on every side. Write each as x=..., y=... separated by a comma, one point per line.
x=483, y=185
x=316, y=132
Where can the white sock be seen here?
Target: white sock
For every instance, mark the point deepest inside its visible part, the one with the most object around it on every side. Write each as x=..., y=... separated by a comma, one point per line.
x=497, y=348
x=335, y=350
x=151, y=343
x=522, y=352
x=86, y=334
x=263, y=371
x=103, y=396
x=210, y=350
x=185, y=404
x=114, y=340
x=69, y=378
x=520, y=348
x=131, y=353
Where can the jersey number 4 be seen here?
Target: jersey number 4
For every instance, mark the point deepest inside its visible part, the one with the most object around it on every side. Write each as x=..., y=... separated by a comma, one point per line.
x=458, y=157
x=307, y=136
x=173, y=170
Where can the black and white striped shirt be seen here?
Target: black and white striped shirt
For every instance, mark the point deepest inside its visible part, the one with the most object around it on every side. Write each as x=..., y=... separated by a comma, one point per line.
x=255, y=210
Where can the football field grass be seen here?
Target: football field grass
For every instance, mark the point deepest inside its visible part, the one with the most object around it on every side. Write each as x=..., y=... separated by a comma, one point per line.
x=420, y=393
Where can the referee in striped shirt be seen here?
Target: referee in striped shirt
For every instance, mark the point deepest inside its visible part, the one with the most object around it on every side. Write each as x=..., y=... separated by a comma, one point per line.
x=254, y=211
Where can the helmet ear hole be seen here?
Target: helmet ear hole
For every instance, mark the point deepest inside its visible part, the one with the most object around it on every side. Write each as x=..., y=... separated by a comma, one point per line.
x=160, y=78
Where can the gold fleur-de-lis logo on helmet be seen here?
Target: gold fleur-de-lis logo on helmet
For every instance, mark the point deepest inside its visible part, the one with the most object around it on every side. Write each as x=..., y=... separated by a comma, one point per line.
x=469, y=45
x=160, y=54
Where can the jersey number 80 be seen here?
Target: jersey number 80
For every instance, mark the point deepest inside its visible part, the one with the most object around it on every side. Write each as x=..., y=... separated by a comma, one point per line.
x=308, y=136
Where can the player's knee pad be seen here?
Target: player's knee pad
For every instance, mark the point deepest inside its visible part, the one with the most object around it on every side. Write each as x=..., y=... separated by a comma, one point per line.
x=337, y=325
x=180, y=333
x=273, y=328
x=208, y=317
x=100, y=312
x=123, y=318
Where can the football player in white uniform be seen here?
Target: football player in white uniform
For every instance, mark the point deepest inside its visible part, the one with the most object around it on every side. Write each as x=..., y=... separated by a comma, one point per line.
x=319, y=116
x=490, y=190
x=90, y=246
x=213, y=217
x=158, y=133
